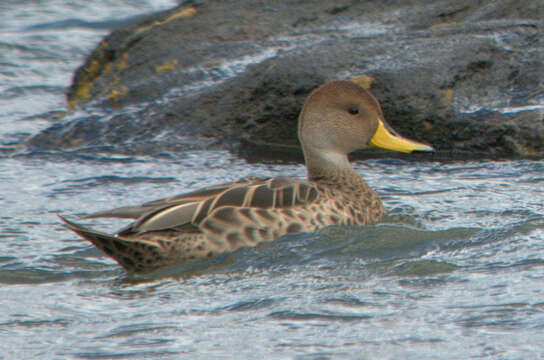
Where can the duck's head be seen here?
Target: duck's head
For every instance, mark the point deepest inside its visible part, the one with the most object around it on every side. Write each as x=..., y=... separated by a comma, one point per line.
x=340, y=117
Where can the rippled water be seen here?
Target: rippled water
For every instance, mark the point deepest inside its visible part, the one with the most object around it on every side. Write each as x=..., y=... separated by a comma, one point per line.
x=454, y=272
x=41, y=44
x=456, y=269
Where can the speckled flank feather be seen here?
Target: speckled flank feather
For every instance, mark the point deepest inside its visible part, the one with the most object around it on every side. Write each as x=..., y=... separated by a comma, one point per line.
x=223, y=218
x=244, y=214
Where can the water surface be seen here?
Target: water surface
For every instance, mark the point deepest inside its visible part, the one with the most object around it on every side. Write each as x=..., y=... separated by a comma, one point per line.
x=455, y=270
x=456, y=267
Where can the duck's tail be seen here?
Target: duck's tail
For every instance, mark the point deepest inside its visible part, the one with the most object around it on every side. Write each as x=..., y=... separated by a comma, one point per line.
x=133, y=255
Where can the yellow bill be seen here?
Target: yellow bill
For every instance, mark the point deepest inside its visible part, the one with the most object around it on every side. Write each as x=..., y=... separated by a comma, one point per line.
x=384, y=139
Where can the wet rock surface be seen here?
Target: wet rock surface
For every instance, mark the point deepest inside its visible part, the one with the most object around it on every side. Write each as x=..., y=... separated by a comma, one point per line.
x=465, y=76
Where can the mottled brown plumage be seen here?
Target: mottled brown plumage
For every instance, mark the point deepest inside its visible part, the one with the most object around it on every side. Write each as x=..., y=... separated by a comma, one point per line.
x=338, y=118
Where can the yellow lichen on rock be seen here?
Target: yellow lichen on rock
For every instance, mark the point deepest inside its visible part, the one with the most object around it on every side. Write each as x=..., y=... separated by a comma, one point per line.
x=363, y=80
x=447, y=97
x=85, y=84
x=117, y=93
x=182, y=13
x=91, y=71
x=122, y=65
x=169, y=65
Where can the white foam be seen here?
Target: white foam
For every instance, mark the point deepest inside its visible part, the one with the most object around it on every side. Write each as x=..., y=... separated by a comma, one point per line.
x=516, y=109
x=503, y=110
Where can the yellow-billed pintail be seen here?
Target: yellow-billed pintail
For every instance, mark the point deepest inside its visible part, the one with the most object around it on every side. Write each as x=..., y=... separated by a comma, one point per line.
x=337, y=118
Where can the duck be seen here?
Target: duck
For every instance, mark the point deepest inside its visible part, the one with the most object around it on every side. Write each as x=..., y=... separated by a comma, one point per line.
x=336, y=119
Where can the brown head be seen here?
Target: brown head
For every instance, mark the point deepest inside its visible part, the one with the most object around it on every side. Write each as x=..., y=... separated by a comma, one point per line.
x=340, y=117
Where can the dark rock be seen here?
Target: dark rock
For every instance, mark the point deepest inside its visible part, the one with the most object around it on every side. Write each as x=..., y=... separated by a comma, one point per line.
x=465, y=76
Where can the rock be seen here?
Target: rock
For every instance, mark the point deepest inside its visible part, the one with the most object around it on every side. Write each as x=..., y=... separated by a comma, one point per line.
x=465, y=76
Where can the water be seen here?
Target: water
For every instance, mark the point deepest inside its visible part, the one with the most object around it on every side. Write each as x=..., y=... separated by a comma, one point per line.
x=41, y=44
x=454, y=272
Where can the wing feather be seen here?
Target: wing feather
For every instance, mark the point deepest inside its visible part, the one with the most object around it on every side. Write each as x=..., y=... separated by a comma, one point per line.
x=264, y=200
x=168, y=218
x=135, y=212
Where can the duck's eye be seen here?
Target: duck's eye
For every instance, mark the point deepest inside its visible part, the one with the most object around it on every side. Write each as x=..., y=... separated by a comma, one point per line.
x=353, y=110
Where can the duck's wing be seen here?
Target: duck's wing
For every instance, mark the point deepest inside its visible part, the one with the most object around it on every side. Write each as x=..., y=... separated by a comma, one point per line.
x=229, y=205
x=135, y=212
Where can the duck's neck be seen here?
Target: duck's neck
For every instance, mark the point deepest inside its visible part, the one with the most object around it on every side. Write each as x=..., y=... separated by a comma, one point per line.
x=332, y=169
